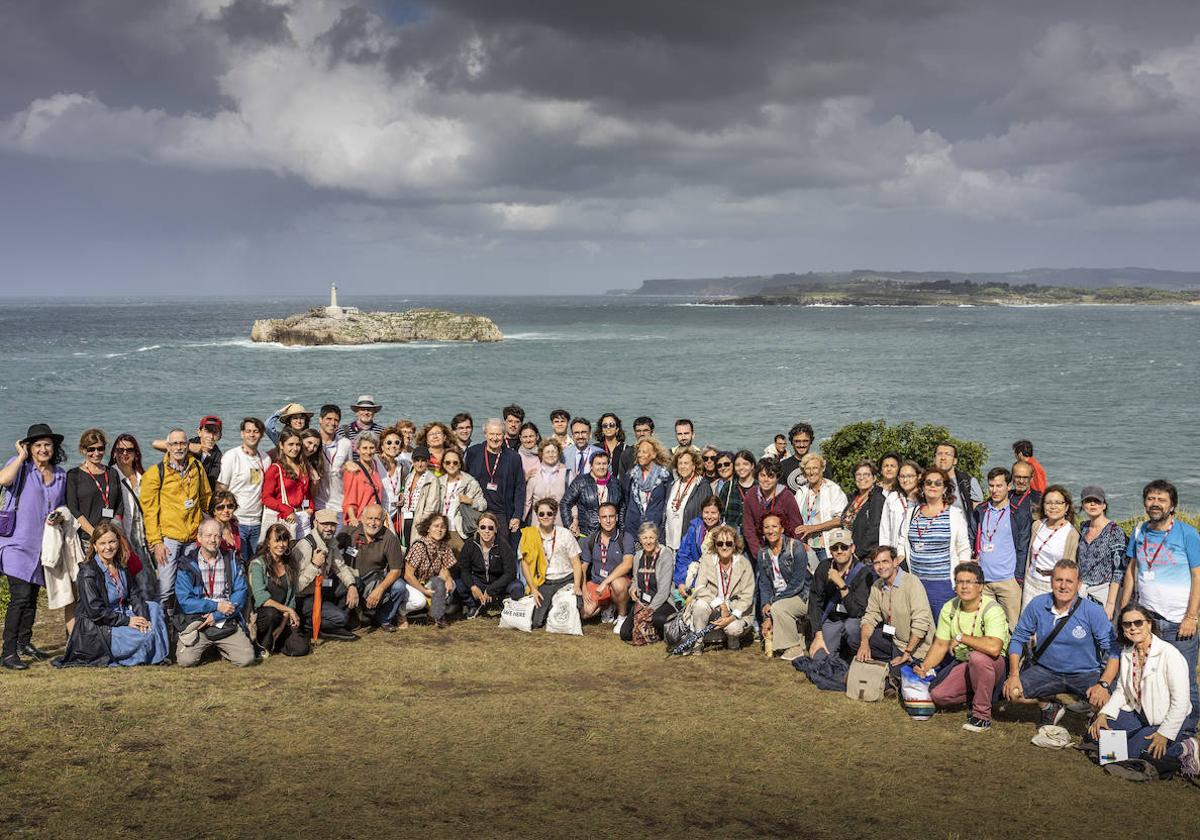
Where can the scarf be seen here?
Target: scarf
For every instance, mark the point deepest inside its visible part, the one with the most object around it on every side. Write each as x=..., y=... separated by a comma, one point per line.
x=643, y=487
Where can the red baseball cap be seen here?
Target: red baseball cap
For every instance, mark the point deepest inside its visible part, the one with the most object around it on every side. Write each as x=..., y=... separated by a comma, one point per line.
x=211, y=420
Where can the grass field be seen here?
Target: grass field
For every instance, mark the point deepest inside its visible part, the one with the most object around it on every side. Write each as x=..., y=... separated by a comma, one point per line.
x=480, y=732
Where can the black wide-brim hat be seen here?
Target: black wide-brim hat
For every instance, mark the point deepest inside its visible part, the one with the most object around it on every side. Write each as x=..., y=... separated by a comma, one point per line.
x=40, y=430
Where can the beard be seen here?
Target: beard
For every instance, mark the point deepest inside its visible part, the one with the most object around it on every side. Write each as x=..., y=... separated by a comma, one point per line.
x=1157, y=514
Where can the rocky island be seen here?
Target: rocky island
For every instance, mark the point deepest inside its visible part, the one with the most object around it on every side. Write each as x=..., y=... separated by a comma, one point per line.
x=333, y=324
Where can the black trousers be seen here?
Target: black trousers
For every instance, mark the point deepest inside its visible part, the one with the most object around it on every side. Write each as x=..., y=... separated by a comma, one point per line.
x=291, y=642
x=334, y=614
x=22, y=610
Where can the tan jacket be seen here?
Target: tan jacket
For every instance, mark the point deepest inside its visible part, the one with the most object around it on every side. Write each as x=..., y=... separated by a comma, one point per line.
x=741, y=584
x=908, y=609
x=302, y=553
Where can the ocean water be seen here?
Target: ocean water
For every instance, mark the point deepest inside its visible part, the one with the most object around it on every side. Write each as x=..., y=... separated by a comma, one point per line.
x=1108, y=394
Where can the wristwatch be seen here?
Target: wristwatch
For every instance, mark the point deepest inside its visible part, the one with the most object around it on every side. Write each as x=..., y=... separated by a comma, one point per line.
x=1105, y=684
x=958, y=638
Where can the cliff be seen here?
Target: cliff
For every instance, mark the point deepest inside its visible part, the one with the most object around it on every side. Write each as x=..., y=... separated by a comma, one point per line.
x=315, y=328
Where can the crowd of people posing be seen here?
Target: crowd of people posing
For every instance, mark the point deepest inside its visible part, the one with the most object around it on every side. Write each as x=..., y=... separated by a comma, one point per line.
x=995, y=593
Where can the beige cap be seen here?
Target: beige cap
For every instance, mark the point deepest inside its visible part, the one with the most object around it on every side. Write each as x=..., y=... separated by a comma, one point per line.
x=839, y=535
x=326, y=517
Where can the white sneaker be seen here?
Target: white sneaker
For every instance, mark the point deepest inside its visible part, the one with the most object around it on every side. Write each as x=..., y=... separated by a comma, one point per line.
x=618, y=624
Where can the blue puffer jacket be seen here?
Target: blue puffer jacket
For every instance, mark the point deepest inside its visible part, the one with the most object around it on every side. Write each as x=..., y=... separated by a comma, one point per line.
x=189, y=586
x=690, y=549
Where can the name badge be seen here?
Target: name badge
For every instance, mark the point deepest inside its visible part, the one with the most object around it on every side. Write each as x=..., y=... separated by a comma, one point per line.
x=647, y=597
x=840, y=608
x=919, y=545
x=327, y=582
x=493, y=486
x=989, y=547
x=1148, y=574
x=255, y=477
x=889, y=630
x=188, y=504
x=351, y=552
x=108, y=513
x=718, y=601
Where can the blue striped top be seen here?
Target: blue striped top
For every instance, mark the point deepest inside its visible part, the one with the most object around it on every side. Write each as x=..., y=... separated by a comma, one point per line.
x=929, y=546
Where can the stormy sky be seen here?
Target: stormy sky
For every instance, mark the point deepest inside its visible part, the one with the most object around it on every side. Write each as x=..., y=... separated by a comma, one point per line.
x=541, y=145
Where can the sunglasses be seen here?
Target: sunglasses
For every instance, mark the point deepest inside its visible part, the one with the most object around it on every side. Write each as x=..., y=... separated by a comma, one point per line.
x=935, y=484
x=446, y=463
x=485, y=528
x=725, y=543
x=391, y=443
x=708, y=458
x=225, y=507
x=94, y=449
x=839, y=547
x=608, y=425
x=544, y=514
x=1137, y=622
x=724, y=464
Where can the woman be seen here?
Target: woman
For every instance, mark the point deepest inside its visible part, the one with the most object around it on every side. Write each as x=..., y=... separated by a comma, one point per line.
x=114, y=624
x=422, y=493
x=550, y=560
x=1150, y=701
x=487, y=568
x=732, y=492
x=34, y=486
x=684, y=499
x=934, y=537
x=408, y=436
x=708, y=463
x=460, y=493
x=821, y=505
x=650, y=591
x=126, y=456
x=529, y=437
x=724, y=588
x=547, y=480
x=435, y=437
x=863, y=514
x=394, y=473
x=724, y=472
x=288, y=488
x=611, y=437
x=889, y=471
x=224, y=509
x=1101, y=552
x=691, y=547
x=427, y=569
x=312, y=452
x=94, y=492
x=647, y=484
x=363, y=485
x=1053, y=538
x=273, y=586
x=899, y=503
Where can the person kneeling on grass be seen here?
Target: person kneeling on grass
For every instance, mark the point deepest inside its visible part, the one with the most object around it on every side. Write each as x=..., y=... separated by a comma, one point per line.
x=1082, y=643
x=210, y=590
x=651, y=588
x=897, y=626
x=549, y=556
x=273, y=585
x=487, y=569
x=319, y=554
x=784, y=582
x=609, y=555
x=1149, y=704
x=724, y=591
x=840, y=589
x=378, y=563
x=427, y=568
x=974, y=629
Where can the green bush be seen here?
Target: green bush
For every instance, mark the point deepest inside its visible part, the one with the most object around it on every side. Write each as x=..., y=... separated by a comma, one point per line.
x=1129, y=524
x=875, y=438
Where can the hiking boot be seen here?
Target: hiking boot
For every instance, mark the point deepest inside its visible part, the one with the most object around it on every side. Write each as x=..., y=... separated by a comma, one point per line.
x=1189, y=762
x=975, y=724
x=1134, y=770
x=338, y=635
x=794, y=652
x=1052, y=713
x=440, y=623
x=387, y=627
x=14, y=663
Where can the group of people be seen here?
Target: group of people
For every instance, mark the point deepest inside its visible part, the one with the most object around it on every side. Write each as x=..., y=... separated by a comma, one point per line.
x=313, y=528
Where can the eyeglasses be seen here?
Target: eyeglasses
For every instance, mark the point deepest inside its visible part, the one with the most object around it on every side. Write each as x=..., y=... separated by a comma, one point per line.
x=177, y=443
x=545, y=514
x=839, y=547
x=709, y=458
x=485, y=527
x=94, y=449
x=608, y=425
x=935, y=484
x=1137, y=622
x=968, y=583
x=1049, y=503
x=801, y=441
x=225, y=507
x=721, y=465
x=724, y=543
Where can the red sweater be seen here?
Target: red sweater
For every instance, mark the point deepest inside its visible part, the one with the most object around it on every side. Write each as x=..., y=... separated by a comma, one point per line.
x=783, y=504
x=284, y=494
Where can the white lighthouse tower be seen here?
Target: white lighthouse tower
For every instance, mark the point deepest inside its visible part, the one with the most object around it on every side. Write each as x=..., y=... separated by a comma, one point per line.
x=333, y=310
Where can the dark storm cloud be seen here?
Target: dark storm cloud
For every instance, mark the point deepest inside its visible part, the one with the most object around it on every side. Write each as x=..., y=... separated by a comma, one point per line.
x=255, y=20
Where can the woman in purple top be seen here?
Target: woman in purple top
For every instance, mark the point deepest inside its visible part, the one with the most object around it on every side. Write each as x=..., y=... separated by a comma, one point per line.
x=34, y=486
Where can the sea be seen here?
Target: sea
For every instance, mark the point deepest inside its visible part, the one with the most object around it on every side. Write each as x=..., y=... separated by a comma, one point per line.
x=1108, y=394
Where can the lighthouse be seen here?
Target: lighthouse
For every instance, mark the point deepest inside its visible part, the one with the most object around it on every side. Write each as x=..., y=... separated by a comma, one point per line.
x=333, y=310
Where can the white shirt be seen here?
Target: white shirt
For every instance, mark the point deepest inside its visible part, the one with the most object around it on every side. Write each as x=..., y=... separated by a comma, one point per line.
x=330, y=490
x=820, y=506
x=559, y=547
x=1049, y=548
x=243, y=475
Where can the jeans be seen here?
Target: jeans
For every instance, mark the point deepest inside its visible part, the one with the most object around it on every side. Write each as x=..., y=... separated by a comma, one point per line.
x=1138, y=733
x=249, y=535
x=166, y=573
x=1168, y=631
x=835, y=631
x=392, y=602
x=1039, y=682
x=515, y=590
x=22, y=610
x=547, y=590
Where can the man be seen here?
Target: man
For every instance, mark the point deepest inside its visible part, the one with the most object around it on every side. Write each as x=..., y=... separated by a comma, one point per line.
x=580, y=506
x=1024, y=503
x=462, y=426
x=513, y=416
x=212, y=595
x=337, y=452
x=973, y=629
x=320, y=554
x=174, y=497
x=996, y=546
x=608, y=553
x=897, y=626
x=500, y=473
x=560, y=419
x=801, y=436
x=1023, y=452
x=242, y=472
x=784, y=580
x=203, y=445
x=291, y=416
x=967, y=492
x=378, y=562
x=777, y=448
x=767, y=497
x=1164, y=566
x=1084, y=641
x=364, y=421
x=578, y=454
x=840, y=589
x=643, y=427
x=685, y=434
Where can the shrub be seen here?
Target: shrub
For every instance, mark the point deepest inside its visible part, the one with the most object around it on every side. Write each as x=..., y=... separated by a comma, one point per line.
x=875, y=438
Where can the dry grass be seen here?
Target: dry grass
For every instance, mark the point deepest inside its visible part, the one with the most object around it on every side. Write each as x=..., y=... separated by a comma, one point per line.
x=488, y=733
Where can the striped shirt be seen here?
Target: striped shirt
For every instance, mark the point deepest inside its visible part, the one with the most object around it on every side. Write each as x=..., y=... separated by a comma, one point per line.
x=929, y=546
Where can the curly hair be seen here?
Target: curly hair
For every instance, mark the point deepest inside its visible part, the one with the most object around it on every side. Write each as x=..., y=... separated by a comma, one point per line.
x=947, y=486
x=661, y=456
x=450, y=442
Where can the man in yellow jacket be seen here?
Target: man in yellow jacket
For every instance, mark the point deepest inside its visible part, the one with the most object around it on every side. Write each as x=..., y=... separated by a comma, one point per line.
x=175, y=497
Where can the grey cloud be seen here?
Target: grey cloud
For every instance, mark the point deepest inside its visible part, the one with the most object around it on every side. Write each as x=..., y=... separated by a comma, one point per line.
x=255, y=20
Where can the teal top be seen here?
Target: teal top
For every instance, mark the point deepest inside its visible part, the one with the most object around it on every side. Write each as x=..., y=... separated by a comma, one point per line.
x=264, y=589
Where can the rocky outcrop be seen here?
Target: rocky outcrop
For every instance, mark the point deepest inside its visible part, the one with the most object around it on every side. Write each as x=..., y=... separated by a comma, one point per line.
x=317, y=328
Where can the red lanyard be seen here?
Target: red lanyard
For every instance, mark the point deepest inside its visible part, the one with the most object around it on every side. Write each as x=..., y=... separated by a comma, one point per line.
x=682, y=494
x=987, y=518
x=1139, y=663
x=928, y=523
x=103, y=490
x=450, y=496
x=724, y=579
x=553, y=542
x=763, y=502
x=325, y=451
x=491, y=470
x=1021, y=500
x=212, y=580
x=808, y=514
x=857, y=504
x=116, y=579
x=648, y=571
x=1037, y=549
x=1144, y=553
